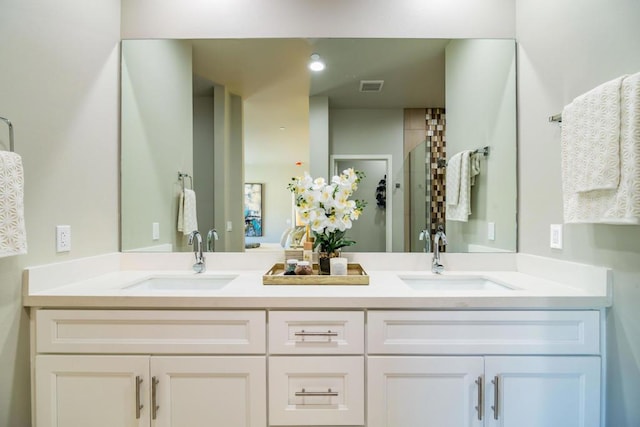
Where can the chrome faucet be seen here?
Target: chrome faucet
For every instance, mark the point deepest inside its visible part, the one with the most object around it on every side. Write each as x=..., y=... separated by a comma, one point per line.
x=212, y=236
x=199, y=266
x=436, y=267
x=424, y=235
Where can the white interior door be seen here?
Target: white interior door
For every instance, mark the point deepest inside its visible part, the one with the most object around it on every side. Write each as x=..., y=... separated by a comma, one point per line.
x=372, y=232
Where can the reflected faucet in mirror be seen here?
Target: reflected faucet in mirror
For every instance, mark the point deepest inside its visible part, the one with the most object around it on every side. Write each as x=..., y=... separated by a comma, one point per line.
x=212, y=236
x=436, y=266
x=195, y=239
x=424, y=235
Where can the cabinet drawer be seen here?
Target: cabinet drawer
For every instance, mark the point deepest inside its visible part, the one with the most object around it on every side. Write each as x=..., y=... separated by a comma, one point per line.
x=483, y=332
x=150, y=332
x=316, y=390
x=316, y=332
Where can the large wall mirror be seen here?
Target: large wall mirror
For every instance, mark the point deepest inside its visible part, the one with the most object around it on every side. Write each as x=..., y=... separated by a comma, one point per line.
x=202, y=117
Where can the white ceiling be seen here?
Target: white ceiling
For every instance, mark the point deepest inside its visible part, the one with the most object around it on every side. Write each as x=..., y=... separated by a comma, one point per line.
x=272, y=77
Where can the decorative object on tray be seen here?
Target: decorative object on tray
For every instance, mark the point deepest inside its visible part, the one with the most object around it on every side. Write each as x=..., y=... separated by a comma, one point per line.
x=325, y=207
x=355, y=275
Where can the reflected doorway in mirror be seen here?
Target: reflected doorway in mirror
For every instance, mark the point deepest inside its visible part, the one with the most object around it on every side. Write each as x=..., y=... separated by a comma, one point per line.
x=253, y=210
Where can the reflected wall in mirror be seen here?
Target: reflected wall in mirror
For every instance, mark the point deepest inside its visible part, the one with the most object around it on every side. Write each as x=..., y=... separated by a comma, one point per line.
x=234, y=111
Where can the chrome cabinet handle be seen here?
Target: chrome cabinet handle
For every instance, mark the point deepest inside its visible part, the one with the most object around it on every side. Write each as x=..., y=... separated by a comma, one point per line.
x=304, y=334
x=480, y=407
x=154, y=397
x=139, y=406
x=316, y=393
x=496, y=397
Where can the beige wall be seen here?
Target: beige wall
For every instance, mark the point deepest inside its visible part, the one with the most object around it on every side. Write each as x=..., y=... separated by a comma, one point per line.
x=318, y=18
x=59, y=86
x=565, y=49
x=157, y=139
x=481, y=111
x=362, y=131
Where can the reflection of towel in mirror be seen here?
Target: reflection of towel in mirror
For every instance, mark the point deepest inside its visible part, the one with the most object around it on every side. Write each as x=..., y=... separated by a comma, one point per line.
x=13, y=237
x=474, y=167
x=458, y=187
x=187, y=217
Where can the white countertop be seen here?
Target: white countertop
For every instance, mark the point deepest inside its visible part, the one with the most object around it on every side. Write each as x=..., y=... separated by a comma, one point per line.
x=539, y=283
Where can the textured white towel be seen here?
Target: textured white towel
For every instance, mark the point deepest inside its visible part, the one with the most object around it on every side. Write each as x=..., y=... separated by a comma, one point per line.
x=591, y=138
x=620, y=205
x=13, y=236
x=459, y=208
x=187, y=216
x=475, y=167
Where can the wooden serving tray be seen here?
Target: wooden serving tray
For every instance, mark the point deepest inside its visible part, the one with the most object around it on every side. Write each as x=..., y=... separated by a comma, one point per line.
x=355, y=276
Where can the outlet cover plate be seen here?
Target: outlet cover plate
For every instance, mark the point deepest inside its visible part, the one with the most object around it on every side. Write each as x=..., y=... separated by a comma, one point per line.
x=63, y=238
x=555, y=237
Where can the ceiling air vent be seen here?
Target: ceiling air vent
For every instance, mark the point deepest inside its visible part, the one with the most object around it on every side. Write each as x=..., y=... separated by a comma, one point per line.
x=371, y=85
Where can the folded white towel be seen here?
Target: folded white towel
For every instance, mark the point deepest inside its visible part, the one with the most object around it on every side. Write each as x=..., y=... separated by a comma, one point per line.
x=187, y=216
x=591, y=138
x=459, y=206
x=611, y=206
x=13, y=236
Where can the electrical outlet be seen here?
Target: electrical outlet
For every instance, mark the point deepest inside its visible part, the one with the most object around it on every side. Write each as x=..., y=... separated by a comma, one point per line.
x=155, y=231
x=63, y=238
x=555, y=238
x=229, y=226
x=491, y=231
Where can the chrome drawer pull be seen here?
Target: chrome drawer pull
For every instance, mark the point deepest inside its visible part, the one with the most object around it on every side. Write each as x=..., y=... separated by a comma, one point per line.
x=327, y=393
x=480, y=407
x=154, y=397
x=139, y=406
x=496, y=397
x=327, y=334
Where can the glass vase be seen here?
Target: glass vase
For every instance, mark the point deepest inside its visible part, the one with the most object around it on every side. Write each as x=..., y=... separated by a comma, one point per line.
x=323, y=261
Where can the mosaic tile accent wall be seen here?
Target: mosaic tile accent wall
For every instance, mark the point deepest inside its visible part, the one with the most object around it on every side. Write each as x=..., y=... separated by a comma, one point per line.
x=437, y=141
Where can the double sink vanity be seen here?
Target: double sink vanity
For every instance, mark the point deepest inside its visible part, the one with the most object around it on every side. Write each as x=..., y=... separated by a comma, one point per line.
x=132, y=339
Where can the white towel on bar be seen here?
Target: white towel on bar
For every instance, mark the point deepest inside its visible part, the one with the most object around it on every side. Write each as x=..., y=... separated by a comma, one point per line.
x=458, y=187
x=591, y=138
x=622, y=204
x=187, y=216
x=13, y=236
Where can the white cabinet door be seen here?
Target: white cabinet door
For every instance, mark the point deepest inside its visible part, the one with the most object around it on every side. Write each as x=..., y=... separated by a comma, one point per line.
x=542, y=391
x=96, y=391
x=209, y=391
x=424, y=391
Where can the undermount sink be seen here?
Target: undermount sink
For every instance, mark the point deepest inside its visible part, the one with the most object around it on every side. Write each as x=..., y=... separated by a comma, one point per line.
x=453, y=283
x=183, y=283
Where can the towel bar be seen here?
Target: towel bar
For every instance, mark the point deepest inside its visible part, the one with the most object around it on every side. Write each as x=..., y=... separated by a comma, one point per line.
x=556, y=118
x=8, y=122
x=442, y=162
x=182, y=176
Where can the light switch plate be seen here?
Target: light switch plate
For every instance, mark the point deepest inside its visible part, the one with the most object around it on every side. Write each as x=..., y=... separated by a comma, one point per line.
x=555, y=237
x=491, y=231
x=155, y=232
x=229, y=226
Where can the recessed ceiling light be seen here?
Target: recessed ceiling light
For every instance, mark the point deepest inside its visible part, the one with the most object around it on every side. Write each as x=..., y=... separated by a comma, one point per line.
x=316, y=64
x=282, y=128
